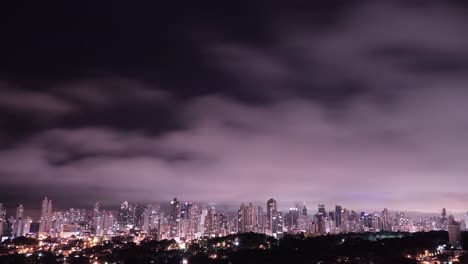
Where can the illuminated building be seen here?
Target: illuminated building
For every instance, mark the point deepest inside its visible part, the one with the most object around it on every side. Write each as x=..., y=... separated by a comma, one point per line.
x=303, y=223
x=184, y=212
x=376, y=222
x=292, y=218
x=2, y=212
x=26, y=226
x=303, y=209
x=107, y=220
x=321, y=210
x=174, y=218
x=221, y=224
x=194, y=222
x=96, y=219
x=126, y=216
x=201, y=223
x=139, y=213
x=209, y=223
x=261, y=220
x=277, y=224
x=68, y=230
x=247, y=218
x=344, y=220
x=386, y=224
x=18, y=224
x=46, y=217
x=454, y=232
x=2, y=219
x=271, y=210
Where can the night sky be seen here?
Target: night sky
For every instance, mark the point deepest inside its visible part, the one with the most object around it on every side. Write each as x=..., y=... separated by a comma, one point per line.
x=360, y=103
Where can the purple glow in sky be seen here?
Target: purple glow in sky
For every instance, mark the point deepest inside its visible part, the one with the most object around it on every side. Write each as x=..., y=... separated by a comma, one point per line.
x=365, y=107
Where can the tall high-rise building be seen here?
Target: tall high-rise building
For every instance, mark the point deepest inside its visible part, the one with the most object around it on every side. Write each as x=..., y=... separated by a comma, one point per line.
x=221, y=224
x=126, y=215
x=277, y=224
x=107, y=219
x=20, y=212
x=151, y=217
x=139, y=212
x=444, y=221
x=194, y=222
x=18, y=225
x=26, y=226
x=201, y=223
x=271, y=209
x=2, y=212
x=2, y=219
x=293, y=217
x=303, y=209
x=338, y=215
x=174, y=218
x=261, y=221
x=454, y=232
x=321, y=210
x=376, y=222
x=320, y=219
x=247, y=218
x=46, y=217
x=96, y=219
x=209, y=223
x=344, y=220
x=184, y=211
x=386, y=224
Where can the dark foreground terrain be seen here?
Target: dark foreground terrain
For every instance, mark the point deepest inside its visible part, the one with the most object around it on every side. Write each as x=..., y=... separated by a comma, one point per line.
x=243, y=248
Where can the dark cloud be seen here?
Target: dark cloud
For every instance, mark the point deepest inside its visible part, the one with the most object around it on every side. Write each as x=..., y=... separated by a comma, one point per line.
x=40, y=103
x=424, y=61
x=362, y=104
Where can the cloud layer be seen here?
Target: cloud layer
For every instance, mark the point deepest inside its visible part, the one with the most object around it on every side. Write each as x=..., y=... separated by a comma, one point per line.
x=368, y=112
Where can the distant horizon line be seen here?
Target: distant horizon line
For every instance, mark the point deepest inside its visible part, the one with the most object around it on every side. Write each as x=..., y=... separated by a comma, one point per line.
x=107, y=205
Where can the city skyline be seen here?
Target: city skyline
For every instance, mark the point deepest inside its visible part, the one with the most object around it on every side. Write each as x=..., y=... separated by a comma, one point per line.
x=187, y=221
x=187, y=232
x=35, y=211
x=349, y=102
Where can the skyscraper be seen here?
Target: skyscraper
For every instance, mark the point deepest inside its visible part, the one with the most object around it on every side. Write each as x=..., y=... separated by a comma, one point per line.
x=201, y=223
x=26, y=226
x=386, y=225
x=174, y=218
x=454, y=232
x=18, y=224
x=2, y=212
x=2, y=218
x=321, y=210
x=247, y=218
x=107, y=219
x=46, y=217
x=261, y=221
x=272, y=208
x=320, y=219
x=194, y=221
x=338, y=215
x=303, y=210
x=293, y=216
x=277, y=224
x=209, y=223
x=184, y=211
x=19, y=212
x=126, y=215
x=444, y=221
x=96, y=219
x=221, y=224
